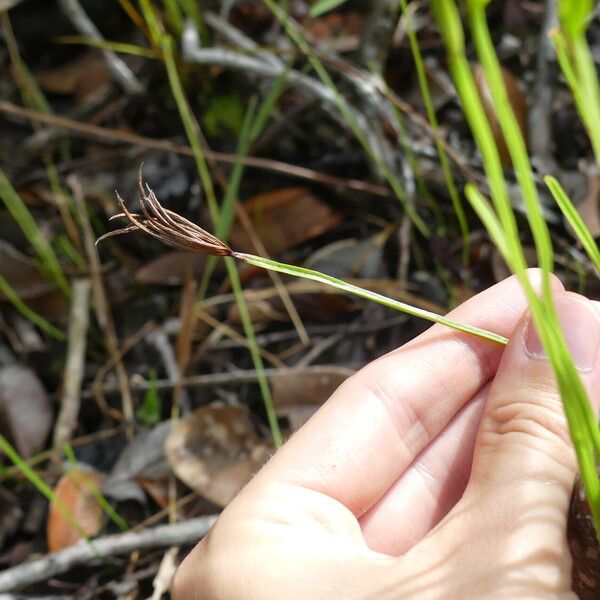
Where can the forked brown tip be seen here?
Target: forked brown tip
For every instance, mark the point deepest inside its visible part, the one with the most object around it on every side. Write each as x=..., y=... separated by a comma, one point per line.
x=165, y=225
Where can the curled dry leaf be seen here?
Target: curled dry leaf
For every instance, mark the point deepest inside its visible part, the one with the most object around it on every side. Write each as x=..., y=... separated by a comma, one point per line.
x=75, y=490
x=215, y=451
x=517, y=102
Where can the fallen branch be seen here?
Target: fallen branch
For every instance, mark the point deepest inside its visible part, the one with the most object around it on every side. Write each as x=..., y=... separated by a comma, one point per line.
x=175, y=534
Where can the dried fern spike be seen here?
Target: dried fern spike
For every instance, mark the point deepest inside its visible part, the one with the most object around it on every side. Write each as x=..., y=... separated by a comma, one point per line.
x=166, y=226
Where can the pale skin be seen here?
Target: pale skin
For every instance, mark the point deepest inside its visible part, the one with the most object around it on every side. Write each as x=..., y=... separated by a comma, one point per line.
x=442, y=470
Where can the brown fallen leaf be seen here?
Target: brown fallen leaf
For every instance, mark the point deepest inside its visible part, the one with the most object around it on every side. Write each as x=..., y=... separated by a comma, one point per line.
x=22, y=273
x=340, y=31
x=25, y=410
x=171, y=268
x=517, y=101
x=284, y=219
x=80, y=77
x=317, y=307
x=215, y=451
x=589, y=208
x=75, y=490
x=297, y=394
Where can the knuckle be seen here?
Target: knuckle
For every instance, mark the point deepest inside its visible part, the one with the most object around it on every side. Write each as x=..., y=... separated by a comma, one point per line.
x=537, y=420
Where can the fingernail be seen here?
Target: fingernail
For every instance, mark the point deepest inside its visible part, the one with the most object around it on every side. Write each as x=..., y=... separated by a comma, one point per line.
x=580, y=323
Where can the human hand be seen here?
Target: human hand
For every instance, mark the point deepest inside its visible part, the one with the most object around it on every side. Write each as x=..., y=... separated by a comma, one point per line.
x=442, y=470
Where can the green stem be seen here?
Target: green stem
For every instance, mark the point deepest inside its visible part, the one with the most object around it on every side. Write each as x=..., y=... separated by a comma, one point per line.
x=273, y=265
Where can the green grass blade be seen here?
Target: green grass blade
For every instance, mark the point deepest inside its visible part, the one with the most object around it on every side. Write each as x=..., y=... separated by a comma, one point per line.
x=572, y=215
x=489, y=219
x=433, y=121
x=580, y=417
x=31, y=315
x=273, y=265
x=578, y=65
x=348, y=115
x=192, y=130
x=120, y=47
x=40, y=485
x=323, y=6
x=263, y=382
x=20, y=213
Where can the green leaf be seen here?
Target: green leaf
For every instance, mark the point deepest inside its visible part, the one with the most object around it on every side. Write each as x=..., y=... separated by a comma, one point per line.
x=575, y=220
x=149, y=412
x=323, y=6
x=20, y=213
x=223, y=111
x=574, y=15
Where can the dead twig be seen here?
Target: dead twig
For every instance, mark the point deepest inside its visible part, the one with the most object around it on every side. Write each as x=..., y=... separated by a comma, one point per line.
x=258, y=65
x=101, y=304
x=84, y=553
x=82, y=23
x=160, y=341
x=236, y=377
x=74, y=366
x=114, y=135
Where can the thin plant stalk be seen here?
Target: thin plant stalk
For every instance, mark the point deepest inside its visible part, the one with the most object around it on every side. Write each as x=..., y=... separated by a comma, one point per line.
x=582, y=424
x=574, y=218
x=41, y=486
x=176, y=231
x=20, y=213
x=433, y=121
x=166, y=44
x=577, y=63
x=309, y=274
x=346, y=112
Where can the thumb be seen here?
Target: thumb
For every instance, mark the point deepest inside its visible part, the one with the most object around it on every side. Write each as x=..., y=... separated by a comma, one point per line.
x=524, y=464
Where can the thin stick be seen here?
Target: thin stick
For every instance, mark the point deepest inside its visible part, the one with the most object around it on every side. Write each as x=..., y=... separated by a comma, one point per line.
x=236, y=377
x=177, y=534
x=80, y=20
x=74, y=366
x=101, y=304
x=124, y=137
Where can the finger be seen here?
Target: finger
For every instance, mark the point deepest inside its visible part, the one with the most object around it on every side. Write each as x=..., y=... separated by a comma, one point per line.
x=428, y=490
x=361, y=441
x=524, y=464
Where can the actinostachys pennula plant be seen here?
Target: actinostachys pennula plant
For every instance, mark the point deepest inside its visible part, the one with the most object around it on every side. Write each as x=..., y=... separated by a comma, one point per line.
x=174, y=230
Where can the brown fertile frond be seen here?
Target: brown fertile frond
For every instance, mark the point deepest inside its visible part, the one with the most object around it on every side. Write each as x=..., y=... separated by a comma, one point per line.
x=165, y=225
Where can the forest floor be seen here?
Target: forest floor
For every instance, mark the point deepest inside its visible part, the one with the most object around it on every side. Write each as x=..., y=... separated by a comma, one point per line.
x=131, y=393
